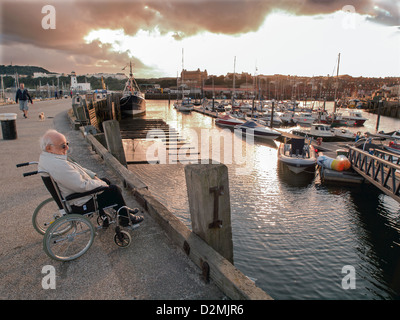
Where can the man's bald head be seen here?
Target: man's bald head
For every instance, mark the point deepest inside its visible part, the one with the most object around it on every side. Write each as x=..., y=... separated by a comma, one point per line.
x=52, y=141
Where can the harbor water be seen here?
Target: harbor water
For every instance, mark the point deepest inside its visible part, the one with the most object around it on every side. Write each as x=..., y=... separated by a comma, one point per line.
x=296, y=237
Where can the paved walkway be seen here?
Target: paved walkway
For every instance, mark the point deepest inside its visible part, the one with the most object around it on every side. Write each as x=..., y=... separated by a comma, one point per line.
x=152, y=268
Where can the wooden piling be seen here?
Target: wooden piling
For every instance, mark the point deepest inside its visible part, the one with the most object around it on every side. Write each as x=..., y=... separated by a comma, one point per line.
x=114, y=141
x=209, y=202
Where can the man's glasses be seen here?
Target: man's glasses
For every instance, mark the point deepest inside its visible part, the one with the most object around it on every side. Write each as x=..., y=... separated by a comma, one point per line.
x=63, y=146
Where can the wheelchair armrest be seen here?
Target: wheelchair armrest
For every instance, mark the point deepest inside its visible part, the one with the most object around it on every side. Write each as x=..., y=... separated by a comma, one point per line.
x=84, y=194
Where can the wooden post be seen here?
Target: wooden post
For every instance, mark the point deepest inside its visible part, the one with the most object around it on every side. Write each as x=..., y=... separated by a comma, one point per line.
x=379, y=115
x=209, y=202
x=114, y=141
x=272, y=114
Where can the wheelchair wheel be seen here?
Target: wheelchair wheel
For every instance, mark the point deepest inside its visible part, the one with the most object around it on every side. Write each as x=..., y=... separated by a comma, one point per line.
x=45, y=214
x=68, y=237
x=122, y=238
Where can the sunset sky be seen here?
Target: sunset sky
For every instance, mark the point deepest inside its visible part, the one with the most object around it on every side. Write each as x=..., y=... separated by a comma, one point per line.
x=290, y=37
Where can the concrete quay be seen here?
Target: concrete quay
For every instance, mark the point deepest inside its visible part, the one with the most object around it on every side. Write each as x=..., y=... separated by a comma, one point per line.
x=153, y=267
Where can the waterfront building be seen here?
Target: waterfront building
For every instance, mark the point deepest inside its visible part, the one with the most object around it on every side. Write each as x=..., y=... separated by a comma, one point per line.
x=193, y=78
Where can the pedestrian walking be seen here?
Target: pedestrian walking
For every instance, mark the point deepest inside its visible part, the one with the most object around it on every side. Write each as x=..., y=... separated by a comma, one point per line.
x=23, y=97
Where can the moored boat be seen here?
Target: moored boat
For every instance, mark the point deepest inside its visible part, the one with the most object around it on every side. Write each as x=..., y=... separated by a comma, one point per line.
x=393, y=146
x=257, y=130
x=343, y=134
x=185, y=105
x=354, y=115
x=228, y=121
x=297, y=155
x=306, y=118
x=133, y=101
x=317, y=130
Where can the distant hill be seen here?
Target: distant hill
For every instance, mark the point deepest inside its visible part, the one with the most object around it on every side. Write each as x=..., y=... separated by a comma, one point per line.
x=26, y=70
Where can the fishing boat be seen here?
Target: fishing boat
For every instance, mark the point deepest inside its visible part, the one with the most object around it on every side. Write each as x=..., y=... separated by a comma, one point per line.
x=228, y=121
x=257, y=130
x=297, y=155
x=133, y=101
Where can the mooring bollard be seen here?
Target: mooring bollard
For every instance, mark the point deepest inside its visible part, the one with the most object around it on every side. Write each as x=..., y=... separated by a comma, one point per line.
x=114, y=141
x=209, y=202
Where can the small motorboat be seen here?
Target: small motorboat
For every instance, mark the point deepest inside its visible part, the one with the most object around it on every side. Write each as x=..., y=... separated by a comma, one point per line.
x=393, y=136
x=336, y=120
x=304, y=118
x=393, y=146
x=257, y=130
x=228, y=121
x=297, y=155
x=387, y=135
x=186, y=105
x=344, y=134
x=317, y=130
x=356, y=116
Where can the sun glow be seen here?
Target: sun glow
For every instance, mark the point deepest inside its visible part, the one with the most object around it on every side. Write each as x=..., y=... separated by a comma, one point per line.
x=284, y=44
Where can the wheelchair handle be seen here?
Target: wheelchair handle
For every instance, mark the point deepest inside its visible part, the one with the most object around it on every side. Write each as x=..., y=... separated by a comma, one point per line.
x=26, y=174
x=25, y=164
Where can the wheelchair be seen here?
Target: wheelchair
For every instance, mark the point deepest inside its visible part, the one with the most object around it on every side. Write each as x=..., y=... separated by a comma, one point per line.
x=69, y=235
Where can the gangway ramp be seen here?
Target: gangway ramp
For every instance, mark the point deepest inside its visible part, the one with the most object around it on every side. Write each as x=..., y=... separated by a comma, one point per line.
x=381, y=169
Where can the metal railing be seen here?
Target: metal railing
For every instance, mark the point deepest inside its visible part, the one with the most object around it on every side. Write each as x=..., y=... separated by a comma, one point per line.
x=382, y=169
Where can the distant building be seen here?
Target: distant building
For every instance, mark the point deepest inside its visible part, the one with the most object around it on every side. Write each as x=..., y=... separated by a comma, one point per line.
x=118, y=76
x=75, y=86
x=392, y=91
x=193, y=78
x=45, y=75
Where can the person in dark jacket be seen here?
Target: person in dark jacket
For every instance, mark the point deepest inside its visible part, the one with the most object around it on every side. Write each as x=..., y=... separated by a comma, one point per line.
x=23, y=96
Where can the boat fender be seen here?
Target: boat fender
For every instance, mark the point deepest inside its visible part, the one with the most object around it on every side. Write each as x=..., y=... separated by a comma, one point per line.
x=335, y=164
x=345, y=161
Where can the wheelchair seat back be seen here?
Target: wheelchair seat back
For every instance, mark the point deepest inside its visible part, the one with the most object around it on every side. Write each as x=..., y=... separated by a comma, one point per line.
x=51, y=188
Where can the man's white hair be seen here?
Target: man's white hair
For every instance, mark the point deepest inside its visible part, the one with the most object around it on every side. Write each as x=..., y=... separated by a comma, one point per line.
x=48, y=138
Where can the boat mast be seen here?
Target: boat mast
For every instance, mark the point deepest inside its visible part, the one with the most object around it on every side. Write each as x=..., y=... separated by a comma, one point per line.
x=337, y=83
x=182, y=77
x=234, y=78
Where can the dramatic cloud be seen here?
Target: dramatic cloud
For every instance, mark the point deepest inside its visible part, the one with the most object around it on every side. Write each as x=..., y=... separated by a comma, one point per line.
x=21, y=23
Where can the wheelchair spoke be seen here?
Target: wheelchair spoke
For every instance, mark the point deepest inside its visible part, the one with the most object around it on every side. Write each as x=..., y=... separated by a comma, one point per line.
x=73, y=242
x=45, y=214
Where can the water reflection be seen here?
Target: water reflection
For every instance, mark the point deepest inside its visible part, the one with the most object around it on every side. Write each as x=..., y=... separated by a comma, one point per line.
x=292, y=233
x=290, y=180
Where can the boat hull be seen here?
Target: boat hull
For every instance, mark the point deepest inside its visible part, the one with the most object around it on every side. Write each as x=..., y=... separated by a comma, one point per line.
x=259, y=133
x=133, y=105
x=185, y=108
x=394, y=148
x=333, y=138
x=228, y=123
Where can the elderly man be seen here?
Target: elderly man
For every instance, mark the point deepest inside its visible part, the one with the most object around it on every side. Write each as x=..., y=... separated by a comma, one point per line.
x=72, y=178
